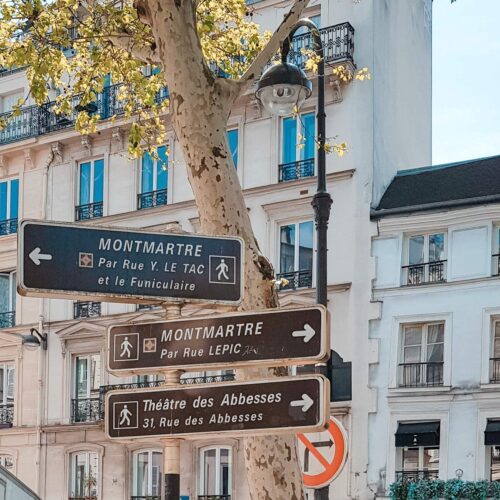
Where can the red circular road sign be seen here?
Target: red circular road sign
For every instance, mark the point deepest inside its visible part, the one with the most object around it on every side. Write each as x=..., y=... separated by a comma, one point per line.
x=323, y=454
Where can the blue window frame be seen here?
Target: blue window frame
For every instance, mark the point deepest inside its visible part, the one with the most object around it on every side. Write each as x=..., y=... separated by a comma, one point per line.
x=154, y=171
x=232, y=138
x=9, y=199
x=91, y=182
x=298, y=138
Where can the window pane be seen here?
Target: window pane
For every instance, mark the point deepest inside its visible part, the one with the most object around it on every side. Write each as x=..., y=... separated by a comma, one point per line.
x=289, y=141
x=431, y=458
x=436, y=247
x=209, y=465
x=412, y=354
x=435, y=334
x=81, y=378
x=162, y=168
x=4, y=292
x=14, y=198
x=410, y=459
x=79, y=474
x=495, y=463
x=309, y=133
x=305, y=245
x=98, y=181
x=13, y=291
x=141, y=474
x=435, y=353
x=10, y=383
x=156, y=473
x=85, y=183
x=496, y=347
x=287, y=248
x=147, y=173
x=3, y=200
x=412, y=335
x=225, y=471
x=2, y=384
x=416, y=245
x=95, y=374
x=232, y=138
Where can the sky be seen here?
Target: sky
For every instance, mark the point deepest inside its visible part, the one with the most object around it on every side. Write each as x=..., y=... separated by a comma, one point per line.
x=466, y=80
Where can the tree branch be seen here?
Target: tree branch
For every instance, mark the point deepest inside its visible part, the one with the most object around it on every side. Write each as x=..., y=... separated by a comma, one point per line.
x=260, y=62
x=148, y=55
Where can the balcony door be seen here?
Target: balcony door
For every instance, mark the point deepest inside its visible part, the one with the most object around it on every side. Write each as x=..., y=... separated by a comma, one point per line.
x=91, y=190
x=86, y=401
x=147, y=474
x=154, y=178
x=9, y=206
x=215, y=473
x=83, y=476
x=7, y=299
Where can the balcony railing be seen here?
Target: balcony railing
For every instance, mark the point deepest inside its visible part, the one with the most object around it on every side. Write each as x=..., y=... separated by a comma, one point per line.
x=495, y=370
x=145, y=497
x=86, y=497
x=296, y=170
x=411, y=476
x=7, y=319
x=421, y=374
x=86, y=410
x=214, y=497
x=8, y=226
x=86, y=309
x=6, y=415
x=152, y=199
x=296, y=279
x=88, y=211
x=208, y=379
x=429, y=272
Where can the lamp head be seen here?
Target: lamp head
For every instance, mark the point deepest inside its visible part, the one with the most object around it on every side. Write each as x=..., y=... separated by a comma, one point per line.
x=283, y=88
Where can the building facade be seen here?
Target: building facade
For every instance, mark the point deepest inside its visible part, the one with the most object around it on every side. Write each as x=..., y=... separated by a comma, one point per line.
x=437, y=290
x=53, y=436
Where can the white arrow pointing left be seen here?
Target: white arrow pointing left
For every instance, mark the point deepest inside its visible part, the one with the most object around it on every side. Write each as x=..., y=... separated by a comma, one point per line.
x=306, y=402
x=36, y=256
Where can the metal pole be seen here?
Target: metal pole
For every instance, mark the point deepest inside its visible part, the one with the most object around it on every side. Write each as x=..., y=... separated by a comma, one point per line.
x=172, y=447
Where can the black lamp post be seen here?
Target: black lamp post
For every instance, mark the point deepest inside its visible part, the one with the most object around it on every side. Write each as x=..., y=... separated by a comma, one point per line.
x=282, y=89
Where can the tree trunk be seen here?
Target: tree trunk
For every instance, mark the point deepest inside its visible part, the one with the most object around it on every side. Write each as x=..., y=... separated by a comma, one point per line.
x=199, y=107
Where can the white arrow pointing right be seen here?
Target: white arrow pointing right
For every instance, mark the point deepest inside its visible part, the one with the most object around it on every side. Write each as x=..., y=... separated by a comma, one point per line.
x=306, y=402
x=308, y=333
x=36, y=256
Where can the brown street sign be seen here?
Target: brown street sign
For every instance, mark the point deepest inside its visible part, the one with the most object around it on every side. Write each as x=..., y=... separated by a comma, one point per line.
x=274, y=337
x=120, y=265
x=280, y=405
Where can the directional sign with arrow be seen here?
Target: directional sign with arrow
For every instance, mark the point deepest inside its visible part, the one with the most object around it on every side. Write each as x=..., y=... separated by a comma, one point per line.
x=118, y=265
x=236, y=408
x=273, y=337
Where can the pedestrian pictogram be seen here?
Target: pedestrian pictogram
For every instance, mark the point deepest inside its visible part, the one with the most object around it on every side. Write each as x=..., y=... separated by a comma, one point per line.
x=125, y=415
x=222, y=269
x=323, y=454
x=126, y=347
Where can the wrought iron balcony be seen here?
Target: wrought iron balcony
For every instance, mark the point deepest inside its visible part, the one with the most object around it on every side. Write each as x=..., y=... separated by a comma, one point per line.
x=425, y=273
x=145, y=497
x=152, y=199
x=7, y=319
x=410, y=476
x=8, y=226
x=88, y=211
x=86, y=410
x=296, y=279
x=86, y=309
x=86, y=497
x=421, y=374
x=208, y=379
x=146, y=307
x=214, y=497
x=6, y=415
x=296, y=170
x=495, y=370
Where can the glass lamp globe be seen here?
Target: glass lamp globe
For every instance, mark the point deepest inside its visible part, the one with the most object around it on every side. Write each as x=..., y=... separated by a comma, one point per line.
x=31, y=342
x=283, y=88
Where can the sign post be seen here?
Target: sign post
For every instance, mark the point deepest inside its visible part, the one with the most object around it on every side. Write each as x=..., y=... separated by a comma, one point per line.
x=264, y=338
x=280, y=405
x=115, y=265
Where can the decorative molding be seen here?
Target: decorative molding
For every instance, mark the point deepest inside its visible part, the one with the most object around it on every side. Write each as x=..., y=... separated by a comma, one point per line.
x=256, y=107
x=57, y=149
x=118, y=136
x=3, y=166
x=28, y=159
x=334, y=83
x=86, y=142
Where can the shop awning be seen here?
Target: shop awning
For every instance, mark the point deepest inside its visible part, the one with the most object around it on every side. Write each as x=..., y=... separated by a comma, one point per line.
x=417, y=434
x=492, y=433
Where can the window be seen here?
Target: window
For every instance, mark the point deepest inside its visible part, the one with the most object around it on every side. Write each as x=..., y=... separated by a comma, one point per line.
x=215, y=472
x=147, y=474
x=496, y=255
x=8, y=101
x=7, y=299
x=83, y=475
x=154, y=179
x=9, y=203
x=7, y=461
x=6, y=394
x=296, y=254
x=495, y=351
x=91, y=190
x=422, y=351
x=86, y=309
x=232, y=139
x=298, y=144
x=495, y=463
x=417, y=446
x=207, y=377
x=426, y=259
x=86, y=401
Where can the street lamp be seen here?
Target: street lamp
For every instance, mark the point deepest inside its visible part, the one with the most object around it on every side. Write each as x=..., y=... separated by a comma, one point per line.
x=283, y=89
x=35, y=339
